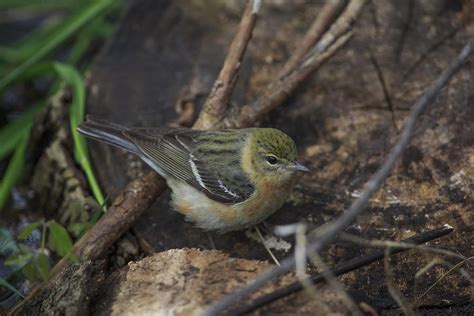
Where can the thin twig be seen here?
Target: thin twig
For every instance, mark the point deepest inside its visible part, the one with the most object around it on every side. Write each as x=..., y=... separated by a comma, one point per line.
x=278, y=91
x=331, y=280
x=325, y=17
x=260, y=236
x=392, y=289
x=433, y=262
x=370, y=187
x=406, y=28
x=430, y=50
x=454, y=268
x=301, y=255
x=396, y=245
x=373, y=14
x=383, y=84
x=341, y=269
x=217, y=102
x=342, y=25
x=300, y=259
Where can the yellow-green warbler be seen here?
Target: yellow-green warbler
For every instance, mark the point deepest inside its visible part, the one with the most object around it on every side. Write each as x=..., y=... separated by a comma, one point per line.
x=221, y=180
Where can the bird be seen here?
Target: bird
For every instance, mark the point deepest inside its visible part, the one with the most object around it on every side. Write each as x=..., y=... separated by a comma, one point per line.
x=222, y=180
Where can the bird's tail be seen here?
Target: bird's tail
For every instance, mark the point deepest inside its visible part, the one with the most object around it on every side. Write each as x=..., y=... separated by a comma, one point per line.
x=110, y=133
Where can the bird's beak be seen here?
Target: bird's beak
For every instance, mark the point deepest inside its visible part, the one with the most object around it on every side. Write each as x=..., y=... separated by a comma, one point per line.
x=298, y=166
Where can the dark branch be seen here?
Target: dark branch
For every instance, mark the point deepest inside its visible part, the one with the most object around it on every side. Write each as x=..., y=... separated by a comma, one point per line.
x=383, y=84
x=341, y=269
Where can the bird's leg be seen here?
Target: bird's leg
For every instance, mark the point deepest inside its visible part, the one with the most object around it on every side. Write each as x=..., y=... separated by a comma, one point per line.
x=211, y=241
x=259, y=234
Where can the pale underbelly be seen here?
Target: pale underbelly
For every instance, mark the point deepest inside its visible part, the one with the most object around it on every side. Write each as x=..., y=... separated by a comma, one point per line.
x=212, y=215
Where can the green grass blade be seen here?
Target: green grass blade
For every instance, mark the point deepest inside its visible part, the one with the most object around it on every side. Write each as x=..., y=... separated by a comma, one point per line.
x=33, y=41
x=9, y=54
x=76, y=115
x=12, y=134
x=15, y=167
x=7, y=285
x=78, y=50
x=36, y=5
x=44, y=70
x=25, y=46
x=69, y=28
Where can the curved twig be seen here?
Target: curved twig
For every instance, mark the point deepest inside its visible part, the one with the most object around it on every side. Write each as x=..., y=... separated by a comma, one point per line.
x=322, y=22
x=278, y=91
x=217, y=102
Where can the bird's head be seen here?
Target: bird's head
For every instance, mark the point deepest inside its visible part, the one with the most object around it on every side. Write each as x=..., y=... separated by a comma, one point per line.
x=273, y=156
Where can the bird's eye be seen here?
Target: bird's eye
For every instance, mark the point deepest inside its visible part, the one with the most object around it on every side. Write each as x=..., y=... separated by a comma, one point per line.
x=272, y=160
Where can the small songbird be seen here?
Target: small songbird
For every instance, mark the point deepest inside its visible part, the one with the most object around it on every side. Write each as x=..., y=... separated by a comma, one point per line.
x=220, y=180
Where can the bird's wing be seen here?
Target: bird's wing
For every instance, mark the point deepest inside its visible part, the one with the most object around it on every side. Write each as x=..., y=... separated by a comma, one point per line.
x=177, y=153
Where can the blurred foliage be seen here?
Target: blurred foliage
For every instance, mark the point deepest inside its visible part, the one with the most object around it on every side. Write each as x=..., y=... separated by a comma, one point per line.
x=43, y=44
x=35, y=265
x=7, y=246
x=37, y=5
x=83, y=23
x=70, y=26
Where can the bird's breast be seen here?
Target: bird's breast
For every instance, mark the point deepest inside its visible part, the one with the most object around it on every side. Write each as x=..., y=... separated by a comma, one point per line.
x=212, y=215
x=266, y=200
